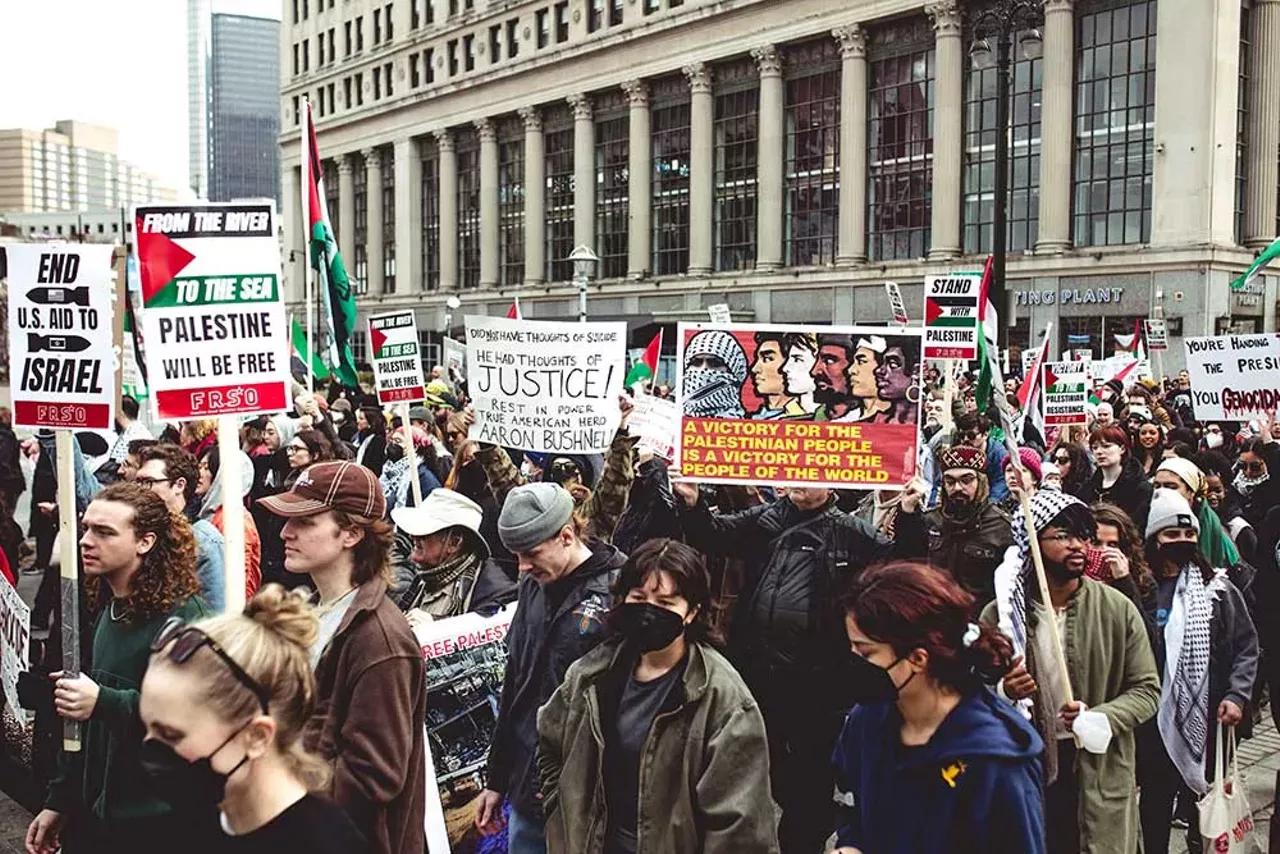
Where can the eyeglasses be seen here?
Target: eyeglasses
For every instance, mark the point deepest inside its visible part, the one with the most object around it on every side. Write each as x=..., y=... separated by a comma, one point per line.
x=151, y=481
x=963, y=480
x=1064, y=537
x=1253, y=468
x=295, y=449
x=187, y=640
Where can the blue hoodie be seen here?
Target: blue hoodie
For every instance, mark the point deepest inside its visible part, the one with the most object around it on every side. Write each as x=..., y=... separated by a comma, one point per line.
x=976, y=786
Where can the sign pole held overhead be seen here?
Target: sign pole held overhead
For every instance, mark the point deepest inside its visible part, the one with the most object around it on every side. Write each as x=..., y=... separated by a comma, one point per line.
x=69, y=582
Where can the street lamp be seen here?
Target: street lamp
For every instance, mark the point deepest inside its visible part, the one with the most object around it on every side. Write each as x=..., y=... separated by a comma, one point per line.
x=1000, y=21
x=452, y=304
x=584, y=264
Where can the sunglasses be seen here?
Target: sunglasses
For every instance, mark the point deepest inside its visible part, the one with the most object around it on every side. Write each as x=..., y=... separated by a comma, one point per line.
x=1062, y=459
x=187, y=639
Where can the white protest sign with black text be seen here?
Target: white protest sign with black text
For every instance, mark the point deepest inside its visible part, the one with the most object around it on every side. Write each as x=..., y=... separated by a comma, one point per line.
x=15, y=643
x=545, y=387
x=217, y=341
x=657, y=422
x=1157, y=334
x=1234, y=377
x=397, y=365
x=898, y=307
x=61, y=352
x=951, y=316
x=720, y=313
x=455, y=356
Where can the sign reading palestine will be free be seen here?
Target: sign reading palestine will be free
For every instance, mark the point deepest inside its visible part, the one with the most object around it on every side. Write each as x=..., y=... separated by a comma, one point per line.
x=217, y=342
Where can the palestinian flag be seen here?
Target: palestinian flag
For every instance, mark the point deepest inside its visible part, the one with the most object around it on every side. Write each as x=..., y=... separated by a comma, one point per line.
x=1268, y=255
x=313, y=363
x=337, y=301
x=1037, y=379
x=647, y=367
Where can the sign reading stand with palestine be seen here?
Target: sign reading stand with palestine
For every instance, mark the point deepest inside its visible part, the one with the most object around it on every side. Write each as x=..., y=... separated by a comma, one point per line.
x=1066, y=392
x=214, y=321
x=951, y=316
x=61, y=353
x=397, y=367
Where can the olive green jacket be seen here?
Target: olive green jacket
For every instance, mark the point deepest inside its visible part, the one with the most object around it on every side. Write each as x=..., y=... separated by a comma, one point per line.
x=704, y=779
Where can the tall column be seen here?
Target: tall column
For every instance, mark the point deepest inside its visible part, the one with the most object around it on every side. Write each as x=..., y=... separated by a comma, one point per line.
x=769, y=148
x=1056, y=137
x=346, y=211
x=294, y=227
x=584, y=171
x=702, y=167
x=402, y=15
x=373, y=225
x=853, y=144
x=535, y=197
x=408, y=217
x=948, y=130
x=639, y=185
x=448, y=210
x=488, y=203
x=1264, y=125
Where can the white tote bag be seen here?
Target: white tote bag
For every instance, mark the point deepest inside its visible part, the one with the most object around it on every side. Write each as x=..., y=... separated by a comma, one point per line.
x=1226, y=822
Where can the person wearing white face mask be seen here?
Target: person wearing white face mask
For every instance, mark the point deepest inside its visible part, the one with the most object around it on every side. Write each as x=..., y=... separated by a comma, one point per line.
x=1212, y=438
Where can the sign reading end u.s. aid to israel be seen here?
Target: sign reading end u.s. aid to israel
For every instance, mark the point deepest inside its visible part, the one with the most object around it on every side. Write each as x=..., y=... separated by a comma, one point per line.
x=217, y=342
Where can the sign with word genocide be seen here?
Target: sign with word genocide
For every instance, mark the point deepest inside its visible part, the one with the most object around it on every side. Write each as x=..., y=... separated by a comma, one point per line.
x=217, y=342
x=951, y=316
x=61, y=352
x=545, y=386
x=1234, y=377
x=1066, y=393
x=896, y=304
x=1157, y=335
x=397, y=366
x=835, y=406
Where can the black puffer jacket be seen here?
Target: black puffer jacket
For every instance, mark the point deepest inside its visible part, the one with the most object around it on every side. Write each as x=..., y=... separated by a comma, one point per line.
x=971, y=550
x=788, y=637
x=553, y=627
x=1131, y=492
x=651, y=509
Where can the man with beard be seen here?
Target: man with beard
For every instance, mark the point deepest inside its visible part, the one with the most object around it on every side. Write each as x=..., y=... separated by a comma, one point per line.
x=768, y=381
x=715, y=369
x=1090, y=793
x=844, y=378
x=966, y=534
x=1208, y=650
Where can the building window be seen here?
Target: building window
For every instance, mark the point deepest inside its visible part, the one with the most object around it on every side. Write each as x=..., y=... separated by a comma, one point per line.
x=346, y=92
x=900, y=142
x=615, y=12
x=511, y=202
x=670, y=177
x=306, y=55
x=330, y=169
x=543, y=19
x=1115, y=124
x=295, y=11
x=295, y=59
x=360, y=228
x=453, y=57
x=415, y=79
x=346, y=39
x=297, y=110
x=595, y=16
x=391, y=24
x=469, y=53
x=1095, y=334
x=377, y=27
x=495, y=44
x=359, y=34
x=414, y=20
x=559, y=204
x=810, y=218
x=431, y=10
x=513, y=38
x=377, y=84
x=612, y=175
x=980, y=131
x=306, y=9
x=429, y=65
x=388, y=159
x=468, y=209
x=360, y=348
x=736, y=129
x=333, y=47
x=562, y=22
x=1242, y=120
x=329, y=91
x=651, y=6
x=386, y=75
x=431, y=217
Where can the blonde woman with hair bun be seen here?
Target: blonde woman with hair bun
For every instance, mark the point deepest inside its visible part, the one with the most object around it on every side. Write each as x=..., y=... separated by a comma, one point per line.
x=224, y=704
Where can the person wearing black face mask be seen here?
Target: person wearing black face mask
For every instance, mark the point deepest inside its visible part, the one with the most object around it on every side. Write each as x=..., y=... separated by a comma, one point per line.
x=1207, y=648
x=930, y=755
x=684, y=758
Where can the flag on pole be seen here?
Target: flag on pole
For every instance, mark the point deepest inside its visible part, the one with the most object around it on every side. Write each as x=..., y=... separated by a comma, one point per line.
x=1268, y=255
x=647, y=367
x=310, y=361
x=988, y=352
x=513, y=313
x=1029, y=395
x=337, y=301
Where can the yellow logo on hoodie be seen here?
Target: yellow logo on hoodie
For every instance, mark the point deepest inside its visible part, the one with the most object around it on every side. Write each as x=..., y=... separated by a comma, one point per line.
x=951, y=772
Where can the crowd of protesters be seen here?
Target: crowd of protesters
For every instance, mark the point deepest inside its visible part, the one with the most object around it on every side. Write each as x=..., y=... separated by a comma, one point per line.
x=690, y=668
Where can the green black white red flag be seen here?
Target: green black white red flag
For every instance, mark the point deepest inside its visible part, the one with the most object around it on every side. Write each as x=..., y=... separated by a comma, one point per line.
x=337, y=301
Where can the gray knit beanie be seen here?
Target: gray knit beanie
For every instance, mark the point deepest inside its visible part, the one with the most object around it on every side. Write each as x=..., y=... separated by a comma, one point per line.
x=533, y=514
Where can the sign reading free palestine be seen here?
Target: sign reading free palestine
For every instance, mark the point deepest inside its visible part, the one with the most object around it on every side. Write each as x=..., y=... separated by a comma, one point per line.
x=217, y=342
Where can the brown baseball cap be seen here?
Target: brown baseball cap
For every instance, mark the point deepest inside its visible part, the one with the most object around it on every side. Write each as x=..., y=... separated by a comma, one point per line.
x=336, y=485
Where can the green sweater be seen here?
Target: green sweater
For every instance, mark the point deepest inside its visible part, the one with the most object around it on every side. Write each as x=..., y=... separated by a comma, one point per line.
x=106, y=776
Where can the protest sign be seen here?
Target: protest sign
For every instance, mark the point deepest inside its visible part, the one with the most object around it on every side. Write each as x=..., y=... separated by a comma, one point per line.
x=466, y=659
x=896, y=304
x=1029, y=359
x=1066, y=393
x=720, y=313
x=545, y=387
x=657, y=422
x=217, y=342
x=15, y=632
x=1234, y=377
x=397, y=365
x=951, y=316
x=455, y=356
x=61, y=348
x=798, y=405
x=1157, y=335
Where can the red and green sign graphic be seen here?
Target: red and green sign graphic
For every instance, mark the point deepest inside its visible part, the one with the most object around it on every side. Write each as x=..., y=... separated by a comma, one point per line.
x=397, y=365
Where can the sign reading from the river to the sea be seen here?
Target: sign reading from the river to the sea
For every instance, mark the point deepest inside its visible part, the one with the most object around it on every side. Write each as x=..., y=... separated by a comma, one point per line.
x=397, y=366
x=214, y=320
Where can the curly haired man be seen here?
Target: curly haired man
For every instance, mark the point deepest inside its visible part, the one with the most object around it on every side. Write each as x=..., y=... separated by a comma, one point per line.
x=140, y=569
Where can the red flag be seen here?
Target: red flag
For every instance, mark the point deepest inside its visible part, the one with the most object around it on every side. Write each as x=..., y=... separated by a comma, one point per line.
x=513, y=313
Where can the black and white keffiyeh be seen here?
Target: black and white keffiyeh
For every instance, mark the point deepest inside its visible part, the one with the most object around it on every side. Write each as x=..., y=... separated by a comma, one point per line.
x=710, y=392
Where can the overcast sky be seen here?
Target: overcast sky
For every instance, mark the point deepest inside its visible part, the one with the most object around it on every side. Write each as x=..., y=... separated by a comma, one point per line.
x=121, y=64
